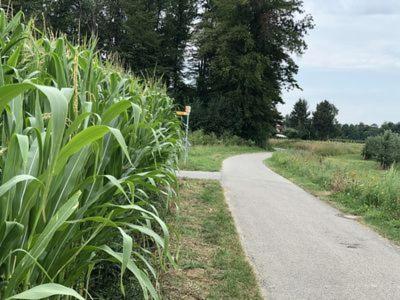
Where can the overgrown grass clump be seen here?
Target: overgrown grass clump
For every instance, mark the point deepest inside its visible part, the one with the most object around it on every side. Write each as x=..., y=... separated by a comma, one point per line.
x=323, y=148
x=88, y=154
x=359, y=186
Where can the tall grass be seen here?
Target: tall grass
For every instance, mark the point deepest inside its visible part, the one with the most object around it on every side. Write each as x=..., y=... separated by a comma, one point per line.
x=87, y=153
x=361, y=187
x=323, y=148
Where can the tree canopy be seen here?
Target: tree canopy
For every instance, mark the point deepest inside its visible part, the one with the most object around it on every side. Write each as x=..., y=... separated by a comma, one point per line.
x=244, y=62
x=239, y=53
x=299, y=119
x=324, y=120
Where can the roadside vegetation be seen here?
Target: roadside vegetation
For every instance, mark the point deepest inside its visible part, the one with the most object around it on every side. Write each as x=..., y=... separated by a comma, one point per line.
x=211, y=262
x=322, y=148
x=384, y=148
x=88, y=154
x=207, y=151
x=355, y=185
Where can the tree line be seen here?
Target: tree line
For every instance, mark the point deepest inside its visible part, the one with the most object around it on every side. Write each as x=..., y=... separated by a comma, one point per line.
x=323, y=125
x=229, y=59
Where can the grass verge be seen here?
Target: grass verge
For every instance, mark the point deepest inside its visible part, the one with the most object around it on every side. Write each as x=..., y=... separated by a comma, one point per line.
x=351, y=184
x=211, y=262
x=210, y=158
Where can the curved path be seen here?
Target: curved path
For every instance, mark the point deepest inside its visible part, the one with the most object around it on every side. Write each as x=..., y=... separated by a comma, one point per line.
x=301, y=247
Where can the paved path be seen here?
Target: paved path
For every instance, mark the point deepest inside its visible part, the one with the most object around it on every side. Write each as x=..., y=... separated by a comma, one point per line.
x=300, y=246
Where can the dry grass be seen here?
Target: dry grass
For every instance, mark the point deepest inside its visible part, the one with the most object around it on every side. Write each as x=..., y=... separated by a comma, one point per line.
x=323, y=148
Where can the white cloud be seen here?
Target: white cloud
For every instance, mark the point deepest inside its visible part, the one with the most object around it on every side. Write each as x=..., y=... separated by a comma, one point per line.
x=353, y=59
x=355, y=7
x=354, y=34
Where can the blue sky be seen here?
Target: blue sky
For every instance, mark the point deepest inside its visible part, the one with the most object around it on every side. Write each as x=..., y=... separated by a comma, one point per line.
x=353, y=60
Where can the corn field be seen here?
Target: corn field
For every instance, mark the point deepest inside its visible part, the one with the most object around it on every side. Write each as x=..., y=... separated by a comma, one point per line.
x=88, y=153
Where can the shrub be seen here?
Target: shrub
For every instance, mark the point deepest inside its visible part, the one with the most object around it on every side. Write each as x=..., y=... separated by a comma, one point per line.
x=200, y=138
x=384, y=148
x=87, y=154
x=292, y=133
x=372, y=147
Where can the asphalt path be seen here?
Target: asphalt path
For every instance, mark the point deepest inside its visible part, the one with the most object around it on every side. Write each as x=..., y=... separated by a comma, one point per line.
x=300, y=246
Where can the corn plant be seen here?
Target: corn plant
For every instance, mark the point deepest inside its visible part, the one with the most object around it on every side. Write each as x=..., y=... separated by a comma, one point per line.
x=87, y=154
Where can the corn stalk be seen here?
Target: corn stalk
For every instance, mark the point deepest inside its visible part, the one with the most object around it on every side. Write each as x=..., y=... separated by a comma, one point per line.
x=87, y=154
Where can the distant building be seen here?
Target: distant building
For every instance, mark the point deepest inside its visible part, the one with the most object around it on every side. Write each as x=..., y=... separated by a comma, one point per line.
x=280, y=128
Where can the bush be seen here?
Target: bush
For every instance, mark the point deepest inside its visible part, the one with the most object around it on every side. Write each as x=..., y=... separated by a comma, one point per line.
x=372, y=147
x=200, y=138
x=384, y=148
x=291, y=133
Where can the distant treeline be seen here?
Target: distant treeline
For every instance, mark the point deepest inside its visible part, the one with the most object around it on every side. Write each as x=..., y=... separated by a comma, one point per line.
x=322, y=124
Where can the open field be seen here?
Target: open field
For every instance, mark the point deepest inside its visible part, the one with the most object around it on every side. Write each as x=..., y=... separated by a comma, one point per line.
x=354, y=185
x=318, y=147
x=211, y=262
x=210, y=158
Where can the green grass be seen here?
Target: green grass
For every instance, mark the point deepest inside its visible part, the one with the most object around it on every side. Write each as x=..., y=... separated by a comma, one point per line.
x=211, y=262
x=210, y=158
x=351, y=184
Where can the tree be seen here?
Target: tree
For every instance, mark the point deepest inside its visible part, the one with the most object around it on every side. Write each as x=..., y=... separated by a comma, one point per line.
x=150, y=36
x=77, y=18
x=244, y=61
x=299, y=119
x=324, y=120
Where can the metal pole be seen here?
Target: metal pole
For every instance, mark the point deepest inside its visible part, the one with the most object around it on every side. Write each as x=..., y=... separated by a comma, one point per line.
x=187, y=138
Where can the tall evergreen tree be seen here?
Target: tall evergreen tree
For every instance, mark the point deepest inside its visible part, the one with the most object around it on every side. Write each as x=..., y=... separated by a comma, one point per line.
x=324, y=120
x=299, y=119
x=77, y=18
x=150, y=36
x=245, y=61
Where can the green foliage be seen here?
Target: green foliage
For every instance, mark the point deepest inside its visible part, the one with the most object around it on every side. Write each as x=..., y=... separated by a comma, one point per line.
x=324, y=120
x=199, y=137
x=150, y=37
x=299, y=120
x=233, y=58
x=291, y=133
x=245, y=60
x=87, y=154
x=359, y=132
x=384, y=148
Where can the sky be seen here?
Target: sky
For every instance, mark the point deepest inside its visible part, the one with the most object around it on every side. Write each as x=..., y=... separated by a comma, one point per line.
x=353, y=60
